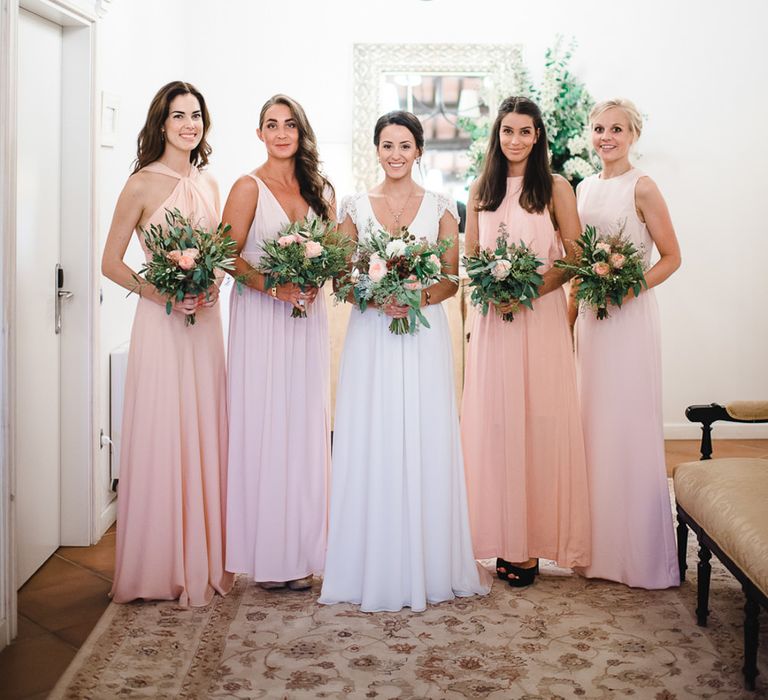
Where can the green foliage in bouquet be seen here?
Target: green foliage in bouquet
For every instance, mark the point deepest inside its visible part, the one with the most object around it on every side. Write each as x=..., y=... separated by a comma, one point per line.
x=507, y=273
x=185, y=258
x=306, y=253
x=609, y=267
x=393, y=269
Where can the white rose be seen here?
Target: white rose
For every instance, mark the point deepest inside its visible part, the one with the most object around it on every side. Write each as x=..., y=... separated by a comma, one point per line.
x=501, y=269
x=395, y=248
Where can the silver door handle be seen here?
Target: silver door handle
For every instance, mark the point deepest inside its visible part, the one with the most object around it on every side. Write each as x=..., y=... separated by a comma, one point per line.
x=61, y=295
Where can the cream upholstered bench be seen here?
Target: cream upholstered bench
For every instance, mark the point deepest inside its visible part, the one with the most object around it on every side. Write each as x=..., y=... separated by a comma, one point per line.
x=725, y=502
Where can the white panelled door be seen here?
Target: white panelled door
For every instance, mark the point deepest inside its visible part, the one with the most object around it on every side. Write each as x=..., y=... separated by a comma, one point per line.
x=37, y=254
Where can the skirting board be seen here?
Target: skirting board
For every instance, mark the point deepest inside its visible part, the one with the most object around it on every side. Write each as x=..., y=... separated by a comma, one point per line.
x=4, y=641
x=720, y=431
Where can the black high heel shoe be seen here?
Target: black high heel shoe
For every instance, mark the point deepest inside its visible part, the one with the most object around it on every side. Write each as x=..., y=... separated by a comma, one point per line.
x=523, y=577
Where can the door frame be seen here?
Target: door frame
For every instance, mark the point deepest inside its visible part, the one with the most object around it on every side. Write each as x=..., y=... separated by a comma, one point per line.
x=79, y=367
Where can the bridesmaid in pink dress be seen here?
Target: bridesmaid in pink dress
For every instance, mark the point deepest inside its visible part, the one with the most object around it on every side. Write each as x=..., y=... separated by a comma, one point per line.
x=170, y=507
x=279, y=367
x=619, y=366
x=523, y=445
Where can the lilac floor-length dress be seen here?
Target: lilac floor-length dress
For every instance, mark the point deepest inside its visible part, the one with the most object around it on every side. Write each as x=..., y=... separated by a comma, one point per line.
x=279, y=430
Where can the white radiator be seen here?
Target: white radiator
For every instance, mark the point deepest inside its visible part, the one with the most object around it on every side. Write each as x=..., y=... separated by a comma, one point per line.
x=118, y=364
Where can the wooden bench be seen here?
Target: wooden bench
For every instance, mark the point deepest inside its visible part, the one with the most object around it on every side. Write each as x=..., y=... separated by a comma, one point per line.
x=725, y=502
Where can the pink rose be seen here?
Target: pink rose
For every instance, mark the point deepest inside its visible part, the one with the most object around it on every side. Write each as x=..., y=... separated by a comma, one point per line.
x=602, y=245
x=377, y=268
x=193, y=253
x=617, y=260
x=601, y=269
x=286, y=240
x=174, y=256
x=501, y=269
x=312, y=249
x=412, y=283
x=186, y=263
x=436, y=262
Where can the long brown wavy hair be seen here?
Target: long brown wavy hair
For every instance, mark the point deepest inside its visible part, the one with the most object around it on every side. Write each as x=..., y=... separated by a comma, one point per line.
x=312, y=183
x=537, y=180
x=151, y=142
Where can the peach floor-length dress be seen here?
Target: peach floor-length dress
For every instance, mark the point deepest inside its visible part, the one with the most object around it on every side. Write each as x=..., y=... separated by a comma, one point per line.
x=618, y=362
x=520, y=426
x=170, y=506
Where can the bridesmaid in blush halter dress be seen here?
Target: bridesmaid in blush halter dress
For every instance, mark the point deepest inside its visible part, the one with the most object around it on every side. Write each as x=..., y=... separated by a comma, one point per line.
x=170, y=506
x=619, y=366
x=279, y=367
x=523, y=446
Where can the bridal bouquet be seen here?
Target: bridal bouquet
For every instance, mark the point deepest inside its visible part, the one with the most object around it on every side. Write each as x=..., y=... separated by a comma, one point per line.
x=305, y=253
x=507, y=273
x=393, y=269
x=185, y=258
x=608, y=269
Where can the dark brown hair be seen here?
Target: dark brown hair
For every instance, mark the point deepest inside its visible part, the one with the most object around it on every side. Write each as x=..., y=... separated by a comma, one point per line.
x=400, y=118
x=537, y=180
x=151, y=141
x=312, y=183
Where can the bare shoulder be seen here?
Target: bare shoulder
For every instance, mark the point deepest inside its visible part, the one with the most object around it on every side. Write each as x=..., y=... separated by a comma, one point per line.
x=646, y=186
x=560, y=185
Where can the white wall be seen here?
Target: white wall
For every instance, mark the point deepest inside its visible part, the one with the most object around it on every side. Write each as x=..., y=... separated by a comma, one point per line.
x=697, y=69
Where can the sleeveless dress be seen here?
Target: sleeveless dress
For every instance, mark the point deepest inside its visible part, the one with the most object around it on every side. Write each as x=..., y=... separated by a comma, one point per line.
x=399, y=532
x=523, y=445
x=170, y=506
x=279, y=423
x=619, y=367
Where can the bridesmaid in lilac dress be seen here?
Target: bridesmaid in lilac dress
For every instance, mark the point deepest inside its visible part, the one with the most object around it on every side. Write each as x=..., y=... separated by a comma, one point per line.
x=279, y=439
x=619, y=370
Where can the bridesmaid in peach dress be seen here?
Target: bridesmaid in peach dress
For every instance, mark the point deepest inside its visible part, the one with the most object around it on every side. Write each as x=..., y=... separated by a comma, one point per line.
x=523, y=445
x=170, y=508
x=618, y=360
x=279, y=367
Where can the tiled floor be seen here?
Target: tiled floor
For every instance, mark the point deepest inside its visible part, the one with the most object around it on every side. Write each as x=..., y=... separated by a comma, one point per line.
x=58, y=608
x=61, y=603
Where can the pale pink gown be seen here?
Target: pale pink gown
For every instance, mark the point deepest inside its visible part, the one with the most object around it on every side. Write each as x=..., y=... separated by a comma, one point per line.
x=170, y=506
x=619, y=368
x=520, y=426
x=279, y=430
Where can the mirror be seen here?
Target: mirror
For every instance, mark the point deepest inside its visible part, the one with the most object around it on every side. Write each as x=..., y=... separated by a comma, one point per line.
x=441, y=84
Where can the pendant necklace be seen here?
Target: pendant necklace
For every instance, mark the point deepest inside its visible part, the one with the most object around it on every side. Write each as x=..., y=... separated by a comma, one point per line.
x=396, y=215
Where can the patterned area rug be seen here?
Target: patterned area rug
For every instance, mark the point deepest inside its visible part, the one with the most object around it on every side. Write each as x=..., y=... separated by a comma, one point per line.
x=564, y=637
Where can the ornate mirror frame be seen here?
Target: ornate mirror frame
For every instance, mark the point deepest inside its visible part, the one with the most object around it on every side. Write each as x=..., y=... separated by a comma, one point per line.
x=500, y=63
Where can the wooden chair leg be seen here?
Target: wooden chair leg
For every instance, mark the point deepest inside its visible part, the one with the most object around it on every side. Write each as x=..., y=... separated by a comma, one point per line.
x=682, y=546
x=702, y=589
x=751, y=640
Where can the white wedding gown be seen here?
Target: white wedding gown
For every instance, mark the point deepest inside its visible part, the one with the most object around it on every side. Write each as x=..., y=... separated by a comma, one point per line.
x=399, y=529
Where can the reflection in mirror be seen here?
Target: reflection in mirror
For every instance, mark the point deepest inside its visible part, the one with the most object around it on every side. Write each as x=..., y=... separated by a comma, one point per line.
x=440, y=102
x=441, y=83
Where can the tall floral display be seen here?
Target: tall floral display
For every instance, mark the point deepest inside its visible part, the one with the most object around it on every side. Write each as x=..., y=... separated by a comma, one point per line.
x=565, y=103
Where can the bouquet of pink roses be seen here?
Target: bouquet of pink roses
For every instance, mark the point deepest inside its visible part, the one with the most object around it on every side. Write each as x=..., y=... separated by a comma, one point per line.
x=305, y=253
x=185, y=258
x=504, y=274
x=608, y=269
x=393, y=269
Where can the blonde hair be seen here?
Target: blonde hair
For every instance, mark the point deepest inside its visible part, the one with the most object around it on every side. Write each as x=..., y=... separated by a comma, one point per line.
x=632, y=113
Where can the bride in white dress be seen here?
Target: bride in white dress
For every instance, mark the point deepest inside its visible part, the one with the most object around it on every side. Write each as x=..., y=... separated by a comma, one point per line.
x=399, y=530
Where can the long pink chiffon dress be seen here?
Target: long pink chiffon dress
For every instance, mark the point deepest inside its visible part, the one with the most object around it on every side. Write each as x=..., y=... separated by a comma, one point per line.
x=279, y=430
x=619, y=370
x=520, y=426
x=173, y=458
